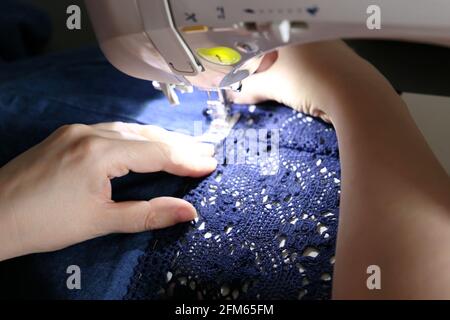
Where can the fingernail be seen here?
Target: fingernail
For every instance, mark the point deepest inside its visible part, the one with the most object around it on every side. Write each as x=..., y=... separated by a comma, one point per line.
x=185, y=215
x=210, y=162
x=207, y=149
x=233, y=95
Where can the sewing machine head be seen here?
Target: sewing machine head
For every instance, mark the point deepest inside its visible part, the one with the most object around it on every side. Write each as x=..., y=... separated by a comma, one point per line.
x=211, y=45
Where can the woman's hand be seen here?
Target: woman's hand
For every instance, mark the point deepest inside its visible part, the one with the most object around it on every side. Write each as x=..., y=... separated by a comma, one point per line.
x=59, y=192
x=392, y=184
x=310, y=78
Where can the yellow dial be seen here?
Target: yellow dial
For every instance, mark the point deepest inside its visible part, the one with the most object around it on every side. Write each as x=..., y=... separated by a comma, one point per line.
x=220, y=55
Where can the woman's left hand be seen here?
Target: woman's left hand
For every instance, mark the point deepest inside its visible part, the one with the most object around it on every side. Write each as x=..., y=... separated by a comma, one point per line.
x=59, y=192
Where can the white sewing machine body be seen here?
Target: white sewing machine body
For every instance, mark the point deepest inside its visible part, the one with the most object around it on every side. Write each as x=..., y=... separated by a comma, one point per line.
x=212, y=44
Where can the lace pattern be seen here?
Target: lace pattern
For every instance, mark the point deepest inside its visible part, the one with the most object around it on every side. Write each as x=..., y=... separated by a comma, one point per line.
x=264, y=231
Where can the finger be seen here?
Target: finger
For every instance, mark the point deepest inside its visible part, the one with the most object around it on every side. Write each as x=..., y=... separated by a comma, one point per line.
x=268, y=61
x=178, y=137
x=138, y=216
x=143, y=157
x=119, y=135
x=122, y=130
x=154, y=133
x=115, y=126
x=132, y=131
x=204, y=149
x=253, y=90
x=147, y=132
x=253, y=87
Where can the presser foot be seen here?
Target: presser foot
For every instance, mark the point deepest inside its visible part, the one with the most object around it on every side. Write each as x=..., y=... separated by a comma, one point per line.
x=222, y=120
x=219, y=129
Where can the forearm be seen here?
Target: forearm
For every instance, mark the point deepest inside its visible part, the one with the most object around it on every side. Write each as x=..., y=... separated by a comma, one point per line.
x=395, y=196
x=395, y=209
x=9, y=245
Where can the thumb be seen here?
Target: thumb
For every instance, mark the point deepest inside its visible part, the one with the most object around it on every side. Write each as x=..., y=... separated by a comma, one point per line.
x=158, y=213
x=255, y=89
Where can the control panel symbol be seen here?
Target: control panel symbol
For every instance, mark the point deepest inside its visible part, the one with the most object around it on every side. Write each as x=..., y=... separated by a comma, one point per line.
x=313, y=11
x=249, y=11
x=191, y=16
x=221, y=13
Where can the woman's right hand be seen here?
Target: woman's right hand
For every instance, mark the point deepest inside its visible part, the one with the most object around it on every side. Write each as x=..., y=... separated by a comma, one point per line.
x=310, y=78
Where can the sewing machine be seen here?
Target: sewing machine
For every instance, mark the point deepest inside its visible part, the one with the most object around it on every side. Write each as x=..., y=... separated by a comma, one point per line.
x=213, y=45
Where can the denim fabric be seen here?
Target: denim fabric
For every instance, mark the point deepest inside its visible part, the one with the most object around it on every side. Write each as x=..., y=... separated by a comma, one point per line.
x=39, y=95
x=277, y=247
x=24, y=30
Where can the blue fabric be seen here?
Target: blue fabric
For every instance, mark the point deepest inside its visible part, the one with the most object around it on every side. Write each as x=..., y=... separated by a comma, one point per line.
x=258, y=236
x=302, y=197
x=24, y=30
x=39, y=95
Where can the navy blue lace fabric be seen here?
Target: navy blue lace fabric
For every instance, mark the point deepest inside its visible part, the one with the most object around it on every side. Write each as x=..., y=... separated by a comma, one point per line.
x=265, y=231
x=258, y=235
